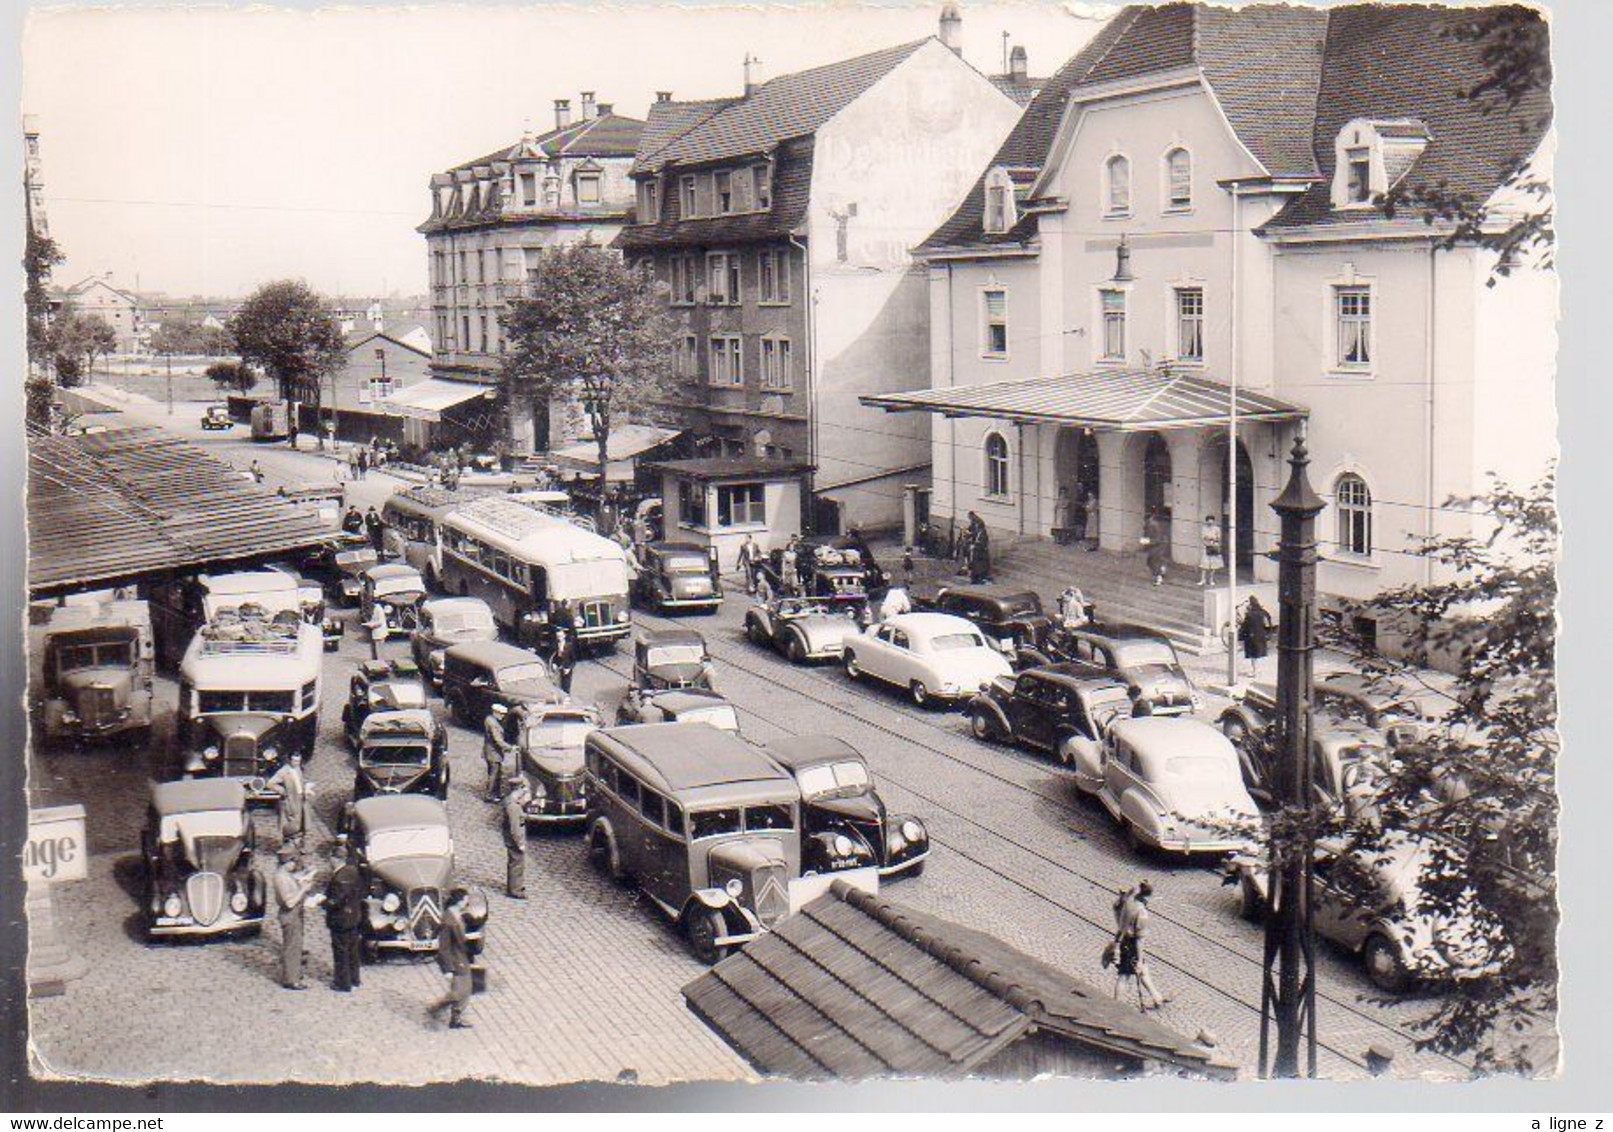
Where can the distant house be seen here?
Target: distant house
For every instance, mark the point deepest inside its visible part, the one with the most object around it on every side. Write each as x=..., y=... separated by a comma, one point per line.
x=120, y=309
x=854, y=987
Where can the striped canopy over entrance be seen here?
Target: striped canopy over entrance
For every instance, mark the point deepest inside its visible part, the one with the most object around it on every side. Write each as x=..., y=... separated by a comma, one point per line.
x=1120, y=400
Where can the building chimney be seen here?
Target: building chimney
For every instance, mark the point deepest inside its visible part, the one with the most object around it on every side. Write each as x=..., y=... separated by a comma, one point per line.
x=606, y=109
x=588, y=110
x=753, y=74
x=562, y=113
x=951, y=33
x=1018, y=63
x=663, y=96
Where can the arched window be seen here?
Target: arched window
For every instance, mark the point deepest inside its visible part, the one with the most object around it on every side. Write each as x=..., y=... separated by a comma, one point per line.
x=1117, y=183
x=1178, y=179
x=996, y=464
x=1353, y=500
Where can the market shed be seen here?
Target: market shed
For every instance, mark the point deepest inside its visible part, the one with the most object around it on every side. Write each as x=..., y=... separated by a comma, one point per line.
x=120, y=506
x=854, y=986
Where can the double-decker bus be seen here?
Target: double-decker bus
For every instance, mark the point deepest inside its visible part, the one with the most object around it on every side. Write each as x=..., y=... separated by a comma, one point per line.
x=524, y=563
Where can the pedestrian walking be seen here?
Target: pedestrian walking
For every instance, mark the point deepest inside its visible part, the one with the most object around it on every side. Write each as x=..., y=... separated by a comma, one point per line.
x=257, y=472
x=375, y=528
x=1210, y=557
x=341, y=471
x=513, y=826
x=378, y=630
x=1087, y=516
x=453, y=959
x=750, y=555
x=1155, y=544
x=291, y=893
x=1141, y=705
x=895, y=603
x=564, y=658
x=495, y=751
x=980, y=557
x=1254, y=632
x=289, y=783
x=907, y=567
x=1126, y=951
x=344, y=912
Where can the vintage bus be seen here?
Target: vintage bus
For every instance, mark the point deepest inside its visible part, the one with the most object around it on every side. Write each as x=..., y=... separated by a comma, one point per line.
x=92, y=677
x=413, y=518
x=250, y=681
x=524, y=562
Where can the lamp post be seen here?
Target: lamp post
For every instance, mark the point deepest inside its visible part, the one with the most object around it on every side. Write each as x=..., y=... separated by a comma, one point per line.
x=1288, y=991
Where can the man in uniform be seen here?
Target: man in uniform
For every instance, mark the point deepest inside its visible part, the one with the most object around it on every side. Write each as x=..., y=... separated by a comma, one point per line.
x=292, y=787
x=495, y=751
x=564, y=658
x=453, y=958
x=514, y=827
x=291, y=885
x=375, y=529
x=344, y=910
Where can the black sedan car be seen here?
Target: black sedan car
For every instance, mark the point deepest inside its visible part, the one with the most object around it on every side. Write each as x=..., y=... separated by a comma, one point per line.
x=1131, y=654
x=1002, y=613
x=1046, y=708
x=845, y=824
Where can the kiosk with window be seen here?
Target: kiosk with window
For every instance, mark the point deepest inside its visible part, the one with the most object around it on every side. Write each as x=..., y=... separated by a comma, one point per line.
x=717, y=502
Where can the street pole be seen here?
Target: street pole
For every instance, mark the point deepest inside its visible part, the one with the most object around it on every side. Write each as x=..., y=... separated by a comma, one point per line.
x=1229, y=549
x=1288, y=992
x=169, y=358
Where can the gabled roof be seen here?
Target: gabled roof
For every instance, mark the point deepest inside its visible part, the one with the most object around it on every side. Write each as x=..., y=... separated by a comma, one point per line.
x=792, y=191
x=608, y=135
x=789, y=106
x=1405, y=67
x=854, y=986
x=393, y=332
x=1021, y=90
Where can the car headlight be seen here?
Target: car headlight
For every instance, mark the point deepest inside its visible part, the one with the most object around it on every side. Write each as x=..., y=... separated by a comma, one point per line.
x=238, y=902
x=842, y=845
x=172, y=906
x=621, y=615
x=390, y=902
x=912, y=830
x=435, y=659
x=69, y=716
x=401, y=924
x=210, y=754
x=734, y=887
x=270, y=754
x=539, y=791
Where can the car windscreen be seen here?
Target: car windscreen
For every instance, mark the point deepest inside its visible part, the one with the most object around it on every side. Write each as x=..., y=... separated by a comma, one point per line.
x=1136, y=654
x=769, y=817
x=1016, y=605
x=599, y=578
x=396, y=754
x=721, y=716
x=686, y=564
x=675, y=654
x=407, y=695
x=517, y=673
x=833, y=778
x=410, y=583
x=420, y=841
x=278, y=702
x=714, y=823
x=953, y=642
x=1105, y=705
x=559, y=731
x=463, y=622
x=101, y=654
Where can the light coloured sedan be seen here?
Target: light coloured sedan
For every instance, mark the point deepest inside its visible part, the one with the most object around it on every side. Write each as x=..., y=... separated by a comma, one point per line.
x=1172, y=784
x=936, y=657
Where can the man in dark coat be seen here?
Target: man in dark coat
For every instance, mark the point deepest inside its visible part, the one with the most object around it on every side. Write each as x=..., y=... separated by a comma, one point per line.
x=979, y=551
x=453, y=958
x=1156, y=546
x=513, y=825
x=374, y=528
x=344, y=911
x=1254, y=632
x=564, y=658
x=353, y=521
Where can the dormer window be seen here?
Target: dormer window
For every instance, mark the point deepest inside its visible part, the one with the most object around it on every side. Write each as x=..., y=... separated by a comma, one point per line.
x=764, y=186
x=529, y=189
x=1371, y=156
x=652, y=203
x=723, y=185
x=587, y=188
x=686, y=197
x=1000, y=214
x=1117, y=186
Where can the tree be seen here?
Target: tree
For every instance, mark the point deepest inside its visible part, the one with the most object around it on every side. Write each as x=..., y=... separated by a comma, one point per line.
x=40, y=254
x=186, y=334
x=286, y=330
x=1483, y=784
x=76, y=340
x=1514, y=47
x=594, y=333
x=236, y=376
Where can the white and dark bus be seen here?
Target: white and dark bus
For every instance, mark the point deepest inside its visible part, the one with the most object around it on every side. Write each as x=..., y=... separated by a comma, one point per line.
x=524, y=562
x=413, y=519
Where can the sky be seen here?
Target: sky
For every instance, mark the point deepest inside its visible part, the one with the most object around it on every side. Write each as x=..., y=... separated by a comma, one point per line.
x=206, y=151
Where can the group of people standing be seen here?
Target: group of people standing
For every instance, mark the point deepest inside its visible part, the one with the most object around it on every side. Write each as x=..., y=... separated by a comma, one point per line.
x=368, y=523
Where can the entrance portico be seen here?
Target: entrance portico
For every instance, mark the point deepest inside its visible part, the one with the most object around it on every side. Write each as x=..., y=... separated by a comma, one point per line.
x=1134, y=441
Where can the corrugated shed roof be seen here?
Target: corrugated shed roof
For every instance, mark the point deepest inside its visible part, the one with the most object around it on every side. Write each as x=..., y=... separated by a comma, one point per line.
x=789, y=106
x=1403, y=62
x=1111, y=399
x=792, y=191
x=120, y=504
x=854, y=986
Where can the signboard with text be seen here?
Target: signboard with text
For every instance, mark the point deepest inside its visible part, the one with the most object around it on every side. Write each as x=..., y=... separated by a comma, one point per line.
x=56, y=850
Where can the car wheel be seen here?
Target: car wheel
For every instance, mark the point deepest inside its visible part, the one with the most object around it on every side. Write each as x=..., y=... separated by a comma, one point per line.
x=1251, y=905
x=1236, y=731
x=754, y=632
x=602, y=852
x=1384, y=965
x=920, y=694
x=849, y=663
x=705, y=928
x=981, y=726
x=795, y=649
x=1134, y=840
